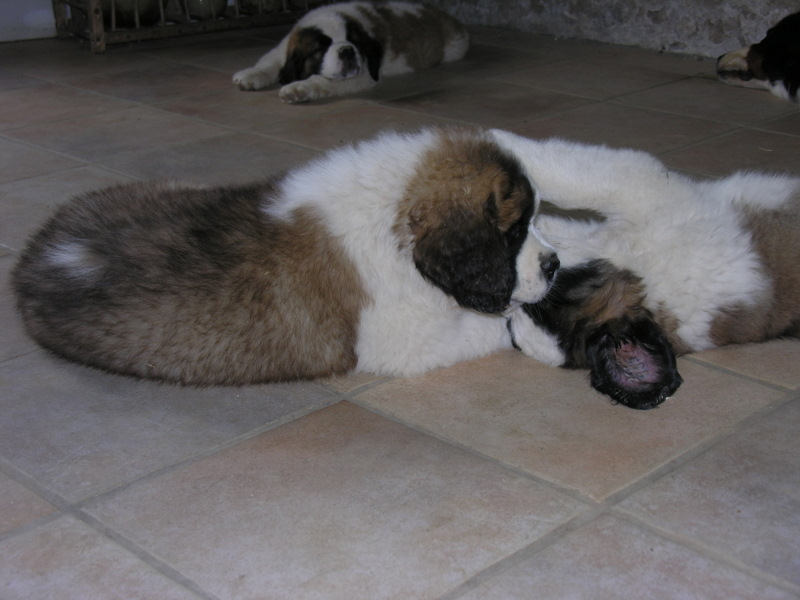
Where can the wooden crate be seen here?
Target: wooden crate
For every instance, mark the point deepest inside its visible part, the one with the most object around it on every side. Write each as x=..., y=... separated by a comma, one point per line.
x=99, y=20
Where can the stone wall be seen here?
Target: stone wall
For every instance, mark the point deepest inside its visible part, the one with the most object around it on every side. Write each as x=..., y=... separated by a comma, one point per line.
x=699, y=27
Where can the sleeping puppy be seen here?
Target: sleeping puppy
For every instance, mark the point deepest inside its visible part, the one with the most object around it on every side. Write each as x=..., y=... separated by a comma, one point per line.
x=772, y=64
x=346, y=48
x=393, y=256
x=655, y=263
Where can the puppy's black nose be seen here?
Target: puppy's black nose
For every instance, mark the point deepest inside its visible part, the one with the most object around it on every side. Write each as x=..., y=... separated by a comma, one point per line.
x=550, y=265
x=347, y=53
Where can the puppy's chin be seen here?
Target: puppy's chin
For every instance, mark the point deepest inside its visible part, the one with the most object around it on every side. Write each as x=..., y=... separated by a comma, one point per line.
x=530, y=293
x=633, y=363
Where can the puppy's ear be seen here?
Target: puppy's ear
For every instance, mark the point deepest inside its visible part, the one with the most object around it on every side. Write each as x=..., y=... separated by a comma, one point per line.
x=304, y=54
x=633, y=362
x=369, y=48
x=468, y=260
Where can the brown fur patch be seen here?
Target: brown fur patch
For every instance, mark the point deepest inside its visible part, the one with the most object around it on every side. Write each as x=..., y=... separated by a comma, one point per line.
x=466, y=213
x=304, y=53
x=419, y=38
x=193, y=286
x=459, y=177
x=775, y=238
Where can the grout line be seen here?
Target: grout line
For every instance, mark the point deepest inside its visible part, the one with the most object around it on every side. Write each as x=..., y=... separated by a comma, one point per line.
x=486, y=575
x=699, y=361
x=210, y=451
x=562, y=489
x=169, y=572
x=710, y=552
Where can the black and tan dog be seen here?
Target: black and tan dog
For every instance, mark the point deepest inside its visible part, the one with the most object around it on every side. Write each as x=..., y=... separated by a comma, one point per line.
x=772, y=64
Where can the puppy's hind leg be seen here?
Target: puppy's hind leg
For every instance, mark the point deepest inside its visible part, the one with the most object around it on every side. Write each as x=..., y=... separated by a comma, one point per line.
x=265, y=72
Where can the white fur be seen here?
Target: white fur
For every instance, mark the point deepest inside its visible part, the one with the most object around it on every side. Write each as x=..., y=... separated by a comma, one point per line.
x=683, y=237
x=409, y=326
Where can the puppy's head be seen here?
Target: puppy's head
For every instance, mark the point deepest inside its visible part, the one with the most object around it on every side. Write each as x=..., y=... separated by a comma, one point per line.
x=304, y=54
x=342, y=51
x=596, y=312
x=468, y=212
x=772, y=64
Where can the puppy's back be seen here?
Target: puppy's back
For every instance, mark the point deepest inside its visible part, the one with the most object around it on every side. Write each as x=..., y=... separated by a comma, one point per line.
x=191, y=285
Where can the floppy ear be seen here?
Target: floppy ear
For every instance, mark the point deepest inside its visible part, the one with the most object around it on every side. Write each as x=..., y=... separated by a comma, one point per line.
x=369, y=48
x=304, y=55
x=468, y=259
x=633, y=362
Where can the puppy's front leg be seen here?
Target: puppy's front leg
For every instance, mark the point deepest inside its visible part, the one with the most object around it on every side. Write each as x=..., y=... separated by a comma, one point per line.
x=318, y=87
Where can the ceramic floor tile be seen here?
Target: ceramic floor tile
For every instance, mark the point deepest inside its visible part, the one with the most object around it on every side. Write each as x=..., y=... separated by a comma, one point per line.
x=498, y=55
x=101, y=136
x=79, y=432
x=25, y=204
x=739, y=150
x=609, y=559
x=622, y=126
x=487, y=103
x=67, y=560
x=19, y=161
x=339, y=504
x=776, y=362
x=51, y=102
x=61, y=60
x=589, y=76
x=9, y=80
x=231, y=158
x=252, y=110
x=549, y=423
x=708, y=99
x=227, y=54
x=19, y=505
x=333, y=130
x=789, y=124
x=153, y=83
x=741, y=497
x=15, y=341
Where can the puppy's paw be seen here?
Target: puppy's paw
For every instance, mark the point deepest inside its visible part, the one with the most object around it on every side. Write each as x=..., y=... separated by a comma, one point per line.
x=308, y=90
x=534, y=341
x=251, y=79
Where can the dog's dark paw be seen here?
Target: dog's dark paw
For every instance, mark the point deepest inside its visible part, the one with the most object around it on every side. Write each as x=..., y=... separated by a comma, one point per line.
x=633, y=363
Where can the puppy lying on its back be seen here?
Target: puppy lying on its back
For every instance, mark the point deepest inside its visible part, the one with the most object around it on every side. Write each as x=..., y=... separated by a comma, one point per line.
x=654, y=262
x=394, y=256
x=346, y=48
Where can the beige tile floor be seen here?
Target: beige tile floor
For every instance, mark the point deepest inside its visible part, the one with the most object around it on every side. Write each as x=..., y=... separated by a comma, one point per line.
x=499, y=478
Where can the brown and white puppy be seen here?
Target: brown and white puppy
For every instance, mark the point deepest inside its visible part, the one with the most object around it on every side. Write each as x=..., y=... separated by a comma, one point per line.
x=395, y=256
x=772, y=64
x=348, y=47
x=655, y=263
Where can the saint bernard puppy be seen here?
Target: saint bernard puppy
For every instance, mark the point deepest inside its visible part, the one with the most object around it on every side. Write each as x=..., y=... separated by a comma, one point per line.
x=346, y=48
x=655, y=263
x=391, y=256
x=772, y=64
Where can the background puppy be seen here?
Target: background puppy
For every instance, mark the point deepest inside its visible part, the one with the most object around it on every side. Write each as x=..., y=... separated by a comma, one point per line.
x=687, y=265
x=772, y=64
x=346, y=48
x=394, y=256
